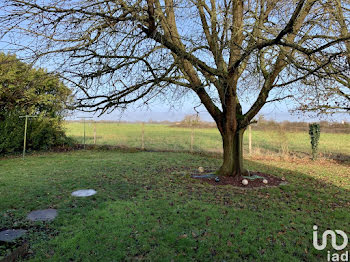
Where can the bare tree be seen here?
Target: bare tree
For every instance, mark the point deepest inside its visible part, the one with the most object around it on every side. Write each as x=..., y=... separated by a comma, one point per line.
x=328, y=89
x=121, y=51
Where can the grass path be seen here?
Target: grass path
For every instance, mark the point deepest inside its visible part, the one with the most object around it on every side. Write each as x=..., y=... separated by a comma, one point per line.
x=147, y=207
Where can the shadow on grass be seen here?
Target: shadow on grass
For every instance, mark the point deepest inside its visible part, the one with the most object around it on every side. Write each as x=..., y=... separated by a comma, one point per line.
x=339, y=158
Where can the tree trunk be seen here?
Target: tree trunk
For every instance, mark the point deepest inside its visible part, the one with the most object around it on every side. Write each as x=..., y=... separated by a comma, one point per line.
x=233, y=154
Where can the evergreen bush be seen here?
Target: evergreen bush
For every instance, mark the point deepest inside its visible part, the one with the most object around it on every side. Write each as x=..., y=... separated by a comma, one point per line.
x=314, y=132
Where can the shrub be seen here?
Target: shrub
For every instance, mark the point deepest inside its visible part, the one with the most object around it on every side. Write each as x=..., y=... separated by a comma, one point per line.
x=29, y=91
x=314, y=132
x=42, y=134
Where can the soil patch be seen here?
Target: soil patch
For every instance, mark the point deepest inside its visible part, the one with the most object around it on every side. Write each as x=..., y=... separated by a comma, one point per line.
x=255, y=180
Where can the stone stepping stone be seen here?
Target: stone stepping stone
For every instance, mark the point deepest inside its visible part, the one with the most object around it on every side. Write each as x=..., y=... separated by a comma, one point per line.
x=205, y=176
x=10, y=235
x=84, y=193
x=253, y=177
x=42, y=215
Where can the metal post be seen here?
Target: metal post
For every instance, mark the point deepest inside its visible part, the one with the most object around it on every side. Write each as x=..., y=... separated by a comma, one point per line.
x=83, y=117
x=84, y=133
x=143, y=136
x=25, y=136
x=95, y=133
x=192, y=138
x=250, y=139
x=25, y=132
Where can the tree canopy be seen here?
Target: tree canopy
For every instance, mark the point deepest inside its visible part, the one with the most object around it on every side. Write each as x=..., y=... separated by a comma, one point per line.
x=225, y=52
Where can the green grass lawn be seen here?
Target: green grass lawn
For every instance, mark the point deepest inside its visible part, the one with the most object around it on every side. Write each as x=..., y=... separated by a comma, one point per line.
x=205, y=139
x=148, y=208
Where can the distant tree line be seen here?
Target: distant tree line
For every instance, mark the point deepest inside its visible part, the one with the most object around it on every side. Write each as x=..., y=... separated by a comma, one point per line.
x=326, y=126
x=268, y=125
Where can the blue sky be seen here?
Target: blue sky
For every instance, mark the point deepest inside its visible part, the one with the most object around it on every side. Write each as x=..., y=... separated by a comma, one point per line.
x=159, y=111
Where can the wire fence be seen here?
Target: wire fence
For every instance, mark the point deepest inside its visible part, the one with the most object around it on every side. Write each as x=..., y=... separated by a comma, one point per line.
x=257, y=140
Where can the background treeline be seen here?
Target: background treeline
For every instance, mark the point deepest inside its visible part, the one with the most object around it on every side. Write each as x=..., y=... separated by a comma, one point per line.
x=326, y=127
x=270, y=125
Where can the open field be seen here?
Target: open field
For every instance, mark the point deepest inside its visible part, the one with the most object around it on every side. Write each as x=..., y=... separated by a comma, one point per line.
x=164, y=137
x=148, y=208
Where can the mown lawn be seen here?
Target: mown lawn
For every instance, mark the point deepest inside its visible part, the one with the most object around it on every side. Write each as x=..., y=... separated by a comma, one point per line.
x=148, y=208
x=165, y=137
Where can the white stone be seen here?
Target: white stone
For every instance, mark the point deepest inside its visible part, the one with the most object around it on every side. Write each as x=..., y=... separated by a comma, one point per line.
x=205, y=176
x=265, y=181
x=84, y=193
x=245, y=182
